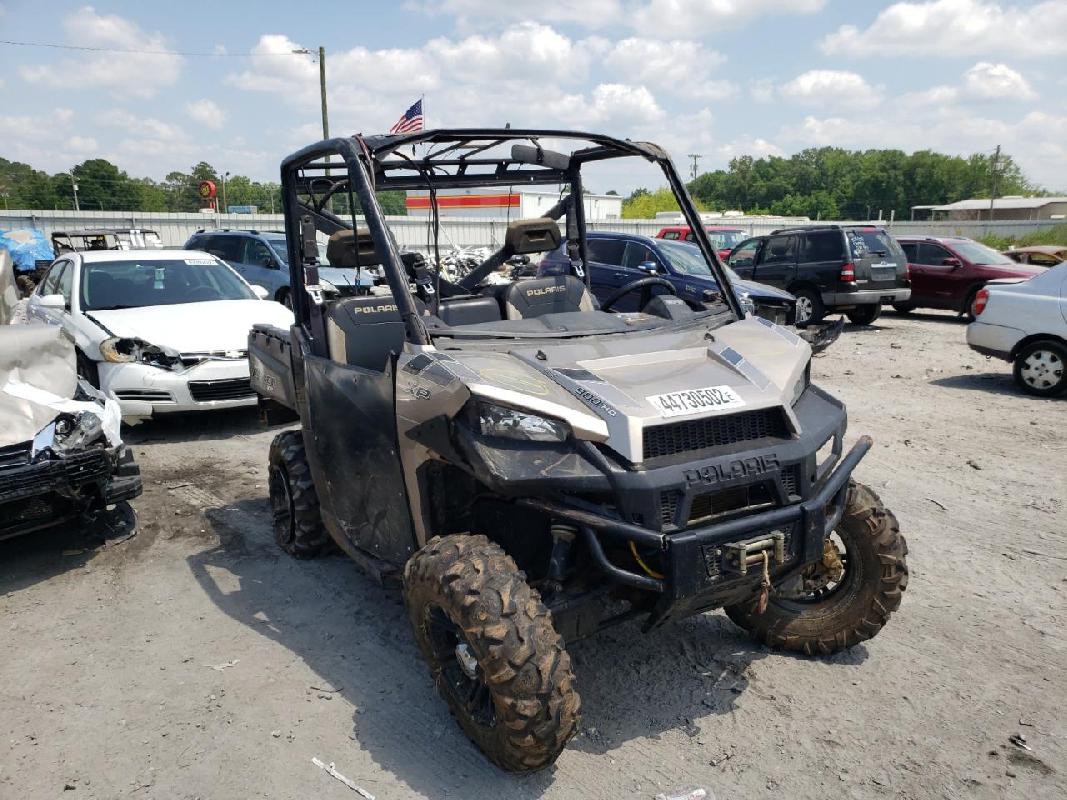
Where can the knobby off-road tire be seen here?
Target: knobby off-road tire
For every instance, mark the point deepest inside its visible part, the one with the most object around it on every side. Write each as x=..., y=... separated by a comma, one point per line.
x=520, y=706
x=294, y=505
x=876, y=575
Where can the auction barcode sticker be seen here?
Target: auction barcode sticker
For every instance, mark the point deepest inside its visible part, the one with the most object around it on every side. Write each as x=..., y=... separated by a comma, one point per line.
x=692, y=401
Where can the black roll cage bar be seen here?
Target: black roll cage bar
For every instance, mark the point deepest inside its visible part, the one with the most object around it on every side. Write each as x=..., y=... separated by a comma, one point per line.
x=371, y=165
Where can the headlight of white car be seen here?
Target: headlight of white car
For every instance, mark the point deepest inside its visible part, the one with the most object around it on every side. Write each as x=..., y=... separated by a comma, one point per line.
x=801, y=385
x=511, y=423
x=126, y=350
x=68, y=431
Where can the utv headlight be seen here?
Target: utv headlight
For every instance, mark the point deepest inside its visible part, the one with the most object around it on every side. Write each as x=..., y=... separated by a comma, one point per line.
x=126, y=350
x=510, y=423
x=801, y=385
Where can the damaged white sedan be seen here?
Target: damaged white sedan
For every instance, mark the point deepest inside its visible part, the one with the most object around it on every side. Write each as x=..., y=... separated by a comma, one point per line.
x=159, y=330
x=61, y=457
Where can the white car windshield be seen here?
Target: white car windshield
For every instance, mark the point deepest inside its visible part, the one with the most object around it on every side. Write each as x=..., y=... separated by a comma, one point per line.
x=150, y=282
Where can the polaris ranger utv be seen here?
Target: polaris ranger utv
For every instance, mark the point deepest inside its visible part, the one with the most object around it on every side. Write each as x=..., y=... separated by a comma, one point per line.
x=534, y=467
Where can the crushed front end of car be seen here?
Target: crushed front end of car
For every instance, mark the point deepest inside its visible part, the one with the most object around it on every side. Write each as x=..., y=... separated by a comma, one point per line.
x=61, y=456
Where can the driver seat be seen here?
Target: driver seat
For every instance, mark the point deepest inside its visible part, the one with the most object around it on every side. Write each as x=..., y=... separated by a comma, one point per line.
x=552, y=295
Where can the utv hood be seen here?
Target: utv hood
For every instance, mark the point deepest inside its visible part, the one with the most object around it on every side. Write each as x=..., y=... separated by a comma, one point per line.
x=608, y=388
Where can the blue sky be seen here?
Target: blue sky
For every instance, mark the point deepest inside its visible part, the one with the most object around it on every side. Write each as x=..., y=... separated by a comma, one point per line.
x=715, y=77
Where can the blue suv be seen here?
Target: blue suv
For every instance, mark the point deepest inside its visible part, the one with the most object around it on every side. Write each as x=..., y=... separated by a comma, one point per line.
x=616, y=259
x=262, y=258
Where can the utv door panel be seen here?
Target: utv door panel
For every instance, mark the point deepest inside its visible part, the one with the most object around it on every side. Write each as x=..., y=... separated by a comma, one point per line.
x=350, y=434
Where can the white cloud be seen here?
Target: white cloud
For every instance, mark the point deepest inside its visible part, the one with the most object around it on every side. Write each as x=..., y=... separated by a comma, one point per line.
x=141, y=126
x=996, y=82
x=620, y=104
x=589, y=13
x=82, y=144
x=831, y=88
x=526, y=50
x=126, y=74
x=699, y=17
x=955, y=28
x=207, y=113
x=680, y=67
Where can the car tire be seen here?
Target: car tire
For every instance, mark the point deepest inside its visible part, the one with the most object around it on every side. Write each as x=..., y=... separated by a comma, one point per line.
x=1040, y=368
x=87, y=369
x=294, y=503
x=827, y=620
x=968, y=307
x=809, y=309
x=903, y=308
x=285, y=297
x=864, y=315
x=492, y=651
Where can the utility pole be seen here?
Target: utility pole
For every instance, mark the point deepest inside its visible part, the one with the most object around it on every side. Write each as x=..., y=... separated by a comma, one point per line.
x=696, y=158
x=225, y=207
x=993, y=181
x=74, y=185
x=322, y=92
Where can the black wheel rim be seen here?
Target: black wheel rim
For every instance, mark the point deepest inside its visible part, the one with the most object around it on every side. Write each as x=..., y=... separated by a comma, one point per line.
x=469, y=695
x=281, y=505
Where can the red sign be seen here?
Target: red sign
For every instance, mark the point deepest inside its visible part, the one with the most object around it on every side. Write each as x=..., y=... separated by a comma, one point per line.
x=466, y=201
x=207, y=190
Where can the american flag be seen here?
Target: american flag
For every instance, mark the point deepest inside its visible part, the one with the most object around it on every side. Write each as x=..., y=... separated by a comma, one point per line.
x=410, y=121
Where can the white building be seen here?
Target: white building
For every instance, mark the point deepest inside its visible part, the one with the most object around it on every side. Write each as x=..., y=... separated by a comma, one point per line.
x=506, y=202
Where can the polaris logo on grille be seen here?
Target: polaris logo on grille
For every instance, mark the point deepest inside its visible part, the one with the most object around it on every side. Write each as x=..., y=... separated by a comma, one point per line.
x=732, y=470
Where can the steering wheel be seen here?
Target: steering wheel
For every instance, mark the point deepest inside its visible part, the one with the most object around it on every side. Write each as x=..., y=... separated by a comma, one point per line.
x=640, y=283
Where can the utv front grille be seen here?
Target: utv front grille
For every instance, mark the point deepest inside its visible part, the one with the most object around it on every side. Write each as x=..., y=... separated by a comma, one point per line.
x=712, y=505
x=701, y=434
x=232, y=389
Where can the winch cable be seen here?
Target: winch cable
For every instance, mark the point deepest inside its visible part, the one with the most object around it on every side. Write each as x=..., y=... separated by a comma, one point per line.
x=637, y=557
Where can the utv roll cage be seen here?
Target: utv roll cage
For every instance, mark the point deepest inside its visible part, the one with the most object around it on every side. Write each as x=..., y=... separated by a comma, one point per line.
x=451, y=159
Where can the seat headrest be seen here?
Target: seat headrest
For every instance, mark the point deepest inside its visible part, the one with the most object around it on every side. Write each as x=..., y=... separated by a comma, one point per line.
x=532, y=236
x=342, y=247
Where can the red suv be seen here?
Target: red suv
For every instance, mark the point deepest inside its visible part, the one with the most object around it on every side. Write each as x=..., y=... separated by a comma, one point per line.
x=723, y=239
x=948, y=271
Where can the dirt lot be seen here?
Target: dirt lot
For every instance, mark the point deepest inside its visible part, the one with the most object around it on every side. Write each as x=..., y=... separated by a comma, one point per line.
x=197, y=661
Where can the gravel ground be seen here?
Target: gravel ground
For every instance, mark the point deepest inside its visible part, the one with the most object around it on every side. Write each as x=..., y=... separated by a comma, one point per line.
x=197, y=661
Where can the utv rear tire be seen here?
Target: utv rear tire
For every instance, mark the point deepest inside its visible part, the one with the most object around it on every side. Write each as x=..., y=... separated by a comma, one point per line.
x=294, y=504
x=876, y=575
x=864, y=315
x=809, y=308
x=520, y=706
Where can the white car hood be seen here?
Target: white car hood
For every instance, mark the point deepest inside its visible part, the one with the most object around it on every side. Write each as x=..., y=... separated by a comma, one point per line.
x=194, y=327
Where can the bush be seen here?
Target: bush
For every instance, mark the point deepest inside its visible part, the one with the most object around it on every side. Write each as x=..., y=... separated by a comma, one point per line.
x=1054, y=235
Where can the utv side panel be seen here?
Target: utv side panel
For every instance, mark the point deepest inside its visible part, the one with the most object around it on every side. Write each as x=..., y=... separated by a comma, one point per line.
x=371, y=513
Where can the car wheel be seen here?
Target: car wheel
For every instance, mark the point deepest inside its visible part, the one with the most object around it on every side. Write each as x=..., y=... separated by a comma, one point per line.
x=969, y=313
x=903, y=308
x=864, y=315
x=843, y=599
x=285, y=297
x=810, y=308
x=492, y=650
x=294, y=504
x=1041, y=368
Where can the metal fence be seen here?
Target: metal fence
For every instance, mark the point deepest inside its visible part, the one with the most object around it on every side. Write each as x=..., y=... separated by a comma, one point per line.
x=414, y=232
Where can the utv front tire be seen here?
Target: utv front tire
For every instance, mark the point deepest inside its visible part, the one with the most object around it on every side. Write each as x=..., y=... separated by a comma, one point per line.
x=294, y=504
x=492, y=651
x=858, y=607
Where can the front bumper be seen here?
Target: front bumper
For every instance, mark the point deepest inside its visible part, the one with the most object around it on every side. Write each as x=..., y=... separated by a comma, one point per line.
x=997, y=341
x=144, y=390
x=866, y=297
x=37, y=495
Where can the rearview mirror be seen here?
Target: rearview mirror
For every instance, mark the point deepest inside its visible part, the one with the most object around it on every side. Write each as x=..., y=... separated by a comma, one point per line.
x=648, y=266
x=528, y=154
x=952, y=262
x=260, y=292
x=53, y=301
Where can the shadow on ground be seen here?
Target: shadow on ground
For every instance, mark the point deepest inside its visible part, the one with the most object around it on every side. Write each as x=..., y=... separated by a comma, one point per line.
x=991, y=382
x=354, y=635
x=194, y=426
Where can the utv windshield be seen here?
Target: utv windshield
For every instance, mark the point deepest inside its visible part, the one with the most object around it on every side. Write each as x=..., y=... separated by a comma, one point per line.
x=467, y=185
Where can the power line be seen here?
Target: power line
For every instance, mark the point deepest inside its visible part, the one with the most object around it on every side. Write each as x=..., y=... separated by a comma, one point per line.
x=147, y=52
